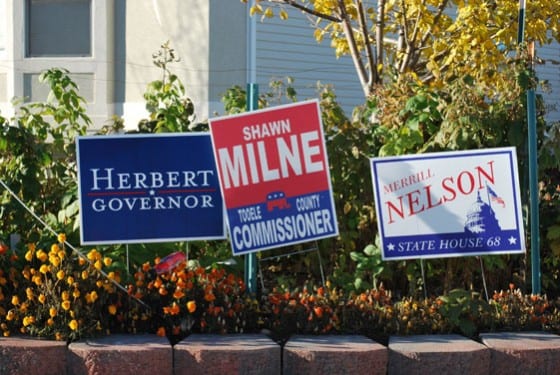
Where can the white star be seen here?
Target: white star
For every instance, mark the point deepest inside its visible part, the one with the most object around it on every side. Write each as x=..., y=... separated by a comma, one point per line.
x=390, y=247
x=512, y=240
x=152, y=192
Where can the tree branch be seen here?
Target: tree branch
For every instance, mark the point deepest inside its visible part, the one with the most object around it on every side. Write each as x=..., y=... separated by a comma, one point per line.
x=313, y=12
x=372, y=60
x=358, y=63
x=379, y=36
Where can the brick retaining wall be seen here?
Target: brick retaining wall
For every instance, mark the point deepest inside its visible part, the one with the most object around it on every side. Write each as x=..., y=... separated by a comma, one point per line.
x=496, y=353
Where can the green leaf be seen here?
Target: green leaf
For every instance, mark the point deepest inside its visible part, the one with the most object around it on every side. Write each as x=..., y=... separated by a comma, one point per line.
x=371, y=250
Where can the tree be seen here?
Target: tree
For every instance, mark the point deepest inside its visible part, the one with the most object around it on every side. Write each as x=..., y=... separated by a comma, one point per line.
x=436, y=41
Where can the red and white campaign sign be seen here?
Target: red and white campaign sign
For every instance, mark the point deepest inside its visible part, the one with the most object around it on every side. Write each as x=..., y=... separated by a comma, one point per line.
x=274, y=176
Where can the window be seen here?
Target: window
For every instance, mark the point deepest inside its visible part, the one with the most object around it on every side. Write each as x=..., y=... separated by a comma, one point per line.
x=58, y=28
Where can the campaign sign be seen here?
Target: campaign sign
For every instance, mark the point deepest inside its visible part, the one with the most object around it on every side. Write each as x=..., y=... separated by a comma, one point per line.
x=274, y=176
x=448, y=204
x=148, y=188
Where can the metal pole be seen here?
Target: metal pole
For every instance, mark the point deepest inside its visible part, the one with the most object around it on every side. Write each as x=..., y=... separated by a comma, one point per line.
x=534, y=193
x=252, y=104
x=533, y=170
x=251, y=259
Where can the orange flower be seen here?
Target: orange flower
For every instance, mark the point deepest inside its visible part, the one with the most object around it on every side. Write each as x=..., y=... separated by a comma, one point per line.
x=178, y=294
x=146, y=267
x=209, y=297
x=191, y=306
x=174, y=309
x=318, y=311
x=112, y=309
x=161, y=332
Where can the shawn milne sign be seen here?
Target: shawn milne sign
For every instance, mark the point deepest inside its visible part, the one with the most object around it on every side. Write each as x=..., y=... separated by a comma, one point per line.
x=148, y=188
x=448, y=204
x=274, y=176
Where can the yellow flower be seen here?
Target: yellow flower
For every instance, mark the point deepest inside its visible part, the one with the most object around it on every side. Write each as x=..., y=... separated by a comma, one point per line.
x=70, y=280
x=54, y=260
x=94, y=255
x=107, y=261
x=37, y=280
x=29, y=293
x=6, y=333
x=61, y=254
x=99, y=283
x=55, y=248
x=91, y=297
x=53, y=312
x=23, y=307
x=26, y=273
x=27, y=320
x=76, y=293
x=65, y=295
x=81, y=261
x=50, y=322
x=10, y=316
x=60, y=275
x=29, y=256
x=58, y=336
x=85, y=274
x=31, y=247
x=44, y=269
x=15, y=300
x=98, y=265
x=73, y=325
x=112, y=309
x=61, y=237
x=42, y=298
x=66, y=305
x=42, y=256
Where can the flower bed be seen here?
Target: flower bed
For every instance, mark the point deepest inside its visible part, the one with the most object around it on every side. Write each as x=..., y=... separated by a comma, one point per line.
x=62, y=295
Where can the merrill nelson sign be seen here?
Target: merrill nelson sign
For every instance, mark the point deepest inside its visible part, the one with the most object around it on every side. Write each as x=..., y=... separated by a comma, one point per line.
x=448, y=204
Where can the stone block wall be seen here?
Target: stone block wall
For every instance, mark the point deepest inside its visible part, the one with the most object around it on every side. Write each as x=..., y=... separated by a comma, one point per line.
x=494, y=354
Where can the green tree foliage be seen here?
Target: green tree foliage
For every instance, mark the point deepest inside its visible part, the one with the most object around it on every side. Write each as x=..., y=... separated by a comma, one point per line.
x=37, y=159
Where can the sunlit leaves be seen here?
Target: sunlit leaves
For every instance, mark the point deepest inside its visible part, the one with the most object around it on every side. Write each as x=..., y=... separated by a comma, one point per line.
x=440, y=40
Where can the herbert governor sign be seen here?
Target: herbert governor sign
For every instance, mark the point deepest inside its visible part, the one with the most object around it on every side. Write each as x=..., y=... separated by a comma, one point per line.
x=148, y=188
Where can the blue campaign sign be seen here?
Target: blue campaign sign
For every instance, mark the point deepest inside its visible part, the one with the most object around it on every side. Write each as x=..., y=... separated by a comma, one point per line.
x=448, y=204
x=148, y=188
